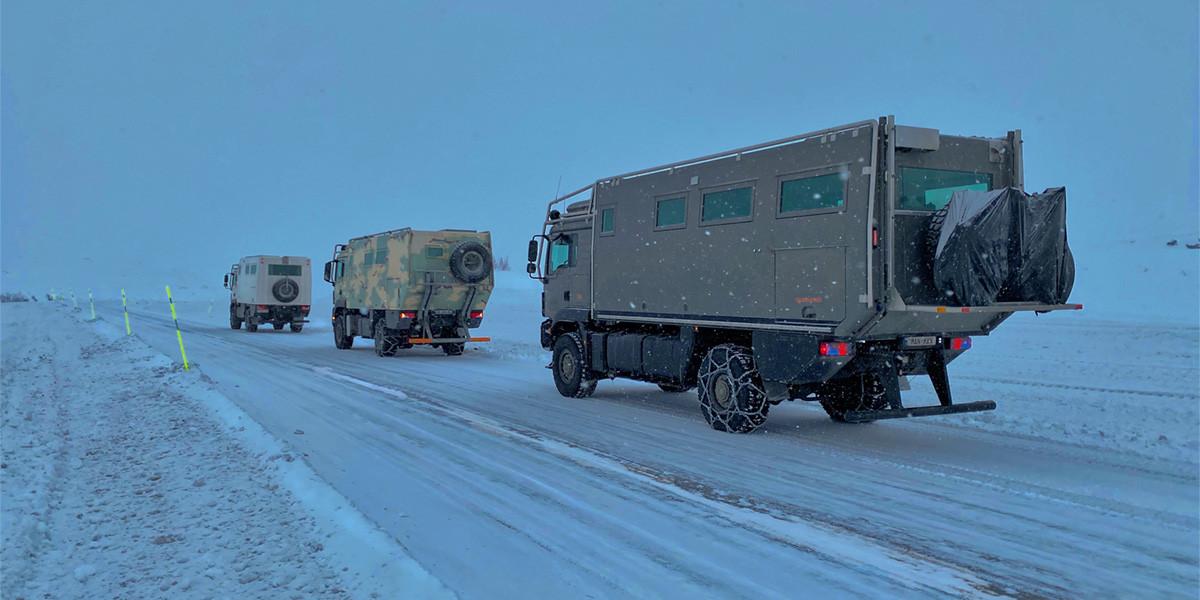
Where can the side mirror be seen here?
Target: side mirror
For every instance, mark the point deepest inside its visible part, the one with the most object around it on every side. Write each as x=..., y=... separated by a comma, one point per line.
x=227, y=281
x=533, y=250
x=531, y=268
x=329, y=271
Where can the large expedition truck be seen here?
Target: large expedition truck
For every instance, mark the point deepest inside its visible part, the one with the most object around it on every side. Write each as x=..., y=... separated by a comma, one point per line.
x=404, y=287
x=269, y=289
x=827, y=266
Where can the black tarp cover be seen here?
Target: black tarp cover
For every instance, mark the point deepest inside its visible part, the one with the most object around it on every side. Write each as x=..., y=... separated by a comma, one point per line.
x=1004, y=246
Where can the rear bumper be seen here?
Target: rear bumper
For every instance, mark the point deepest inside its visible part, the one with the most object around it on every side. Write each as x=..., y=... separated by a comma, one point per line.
x=863, y=416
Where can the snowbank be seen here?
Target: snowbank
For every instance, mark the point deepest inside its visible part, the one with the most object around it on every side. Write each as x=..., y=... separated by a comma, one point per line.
x=124, y=476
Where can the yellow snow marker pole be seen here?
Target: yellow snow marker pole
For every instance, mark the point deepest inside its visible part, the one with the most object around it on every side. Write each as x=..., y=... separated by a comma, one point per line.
x=92, y=303
x=178, y=333
x=125, y=309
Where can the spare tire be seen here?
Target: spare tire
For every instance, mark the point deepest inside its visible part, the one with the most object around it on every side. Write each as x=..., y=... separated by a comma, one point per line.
x=471, y=262
x=285, y=290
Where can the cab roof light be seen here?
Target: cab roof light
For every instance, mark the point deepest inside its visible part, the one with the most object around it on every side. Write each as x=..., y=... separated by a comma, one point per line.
x=834, y=349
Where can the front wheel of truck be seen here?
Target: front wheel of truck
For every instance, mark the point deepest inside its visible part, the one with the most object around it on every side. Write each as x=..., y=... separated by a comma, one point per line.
x=296, y=327
x=571, y=375
x=731, y=391
x=234, y=322
x=341, y=341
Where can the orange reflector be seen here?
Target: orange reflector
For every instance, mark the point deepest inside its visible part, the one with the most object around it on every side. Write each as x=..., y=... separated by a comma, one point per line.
x=420, y=341
x=481, y=339
x=940, y=309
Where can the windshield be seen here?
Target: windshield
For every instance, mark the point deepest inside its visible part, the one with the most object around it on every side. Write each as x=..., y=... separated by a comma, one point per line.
x=930, y=189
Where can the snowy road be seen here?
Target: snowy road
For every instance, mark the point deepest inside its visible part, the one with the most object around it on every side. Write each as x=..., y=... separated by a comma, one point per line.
x=500, y=487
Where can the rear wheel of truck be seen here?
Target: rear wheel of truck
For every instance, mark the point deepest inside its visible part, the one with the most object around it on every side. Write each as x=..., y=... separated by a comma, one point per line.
x=731, y=390
x=861, y=392
x=672, y=388
x=571, y=375
x=296, y=327
x=453, y=349
x=277, y=326
x=384, y=346
x=341, y=341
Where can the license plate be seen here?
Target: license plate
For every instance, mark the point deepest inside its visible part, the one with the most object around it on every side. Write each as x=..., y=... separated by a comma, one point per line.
x=920, y=341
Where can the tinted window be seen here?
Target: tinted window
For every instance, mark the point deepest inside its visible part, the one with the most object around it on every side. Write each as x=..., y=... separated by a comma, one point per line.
x=930, y=189
x=812, y=193
x=560, y=253
x=434, y=251
x=671, y=211
x=606, y=220
x=381, y=255
x=288, y=270
x=728, y=204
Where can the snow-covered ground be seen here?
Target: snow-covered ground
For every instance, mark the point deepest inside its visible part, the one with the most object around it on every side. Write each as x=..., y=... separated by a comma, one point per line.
x=1082, y=483
x=124, y=477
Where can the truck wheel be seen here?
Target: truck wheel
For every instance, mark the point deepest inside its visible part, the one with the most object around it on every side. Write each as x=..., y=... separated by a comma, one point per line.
x=234, y=322
x=672, y=388
x=341, y=341
x=570, y=372
x=471, y=262
x=383, y=345
x=731, y=391
x=277, y=326
x=251, y=325
x=453, y=349
x=296, y=327
x=862, y=392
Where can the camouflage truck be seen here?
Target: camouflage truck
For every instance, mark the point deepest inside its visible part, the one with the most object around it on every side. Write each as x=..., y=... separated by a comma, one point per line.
x=269, y=289
x=405, y=287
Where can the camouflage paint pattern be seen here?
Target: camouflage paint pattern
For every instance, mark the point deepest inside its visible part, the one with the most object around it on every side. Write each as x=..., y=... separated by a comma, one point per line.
x=391, y=271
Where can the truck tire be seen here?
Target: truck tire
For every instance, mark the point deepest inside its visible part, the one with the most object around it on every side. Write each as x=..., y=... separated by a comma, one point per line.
x=862, y=392
x=471, y=262
x=383, y=345
x=285, y=290
x=341, y=341
x=277, y=326
x=570, y=372
x=731, y=390
x=234, y=321
x=455, y=349
x=296, y=327
x=672, y=388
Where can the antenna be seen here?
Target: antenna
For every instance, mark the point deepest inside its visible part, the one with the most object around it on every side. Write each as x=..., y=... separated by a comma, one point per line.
x=557, y=188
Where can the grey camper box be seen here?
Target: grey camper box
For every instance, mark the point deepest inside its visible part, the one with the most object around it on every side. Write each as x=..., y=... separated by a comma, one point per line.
x=794, y=269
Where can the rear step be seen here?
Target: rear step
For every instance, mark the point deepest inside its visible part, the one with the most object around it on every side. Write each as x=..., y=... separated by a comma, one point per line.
x=863, y=416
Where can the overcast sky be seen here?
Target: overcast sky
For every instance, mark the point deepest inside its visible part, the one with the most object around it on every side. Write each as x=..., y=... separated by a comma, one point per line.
x=155, y=141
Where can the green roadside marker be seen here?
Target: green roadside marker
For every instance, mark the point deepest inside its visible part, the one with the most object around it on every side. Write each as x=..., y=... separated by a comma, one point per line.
x=178, y=333
x=92, y=303
x=125, y=309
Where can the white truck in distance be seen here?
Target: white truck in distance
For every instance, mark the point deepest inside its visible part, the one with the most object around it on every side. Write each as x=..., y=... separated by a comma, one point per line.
x=269, y=289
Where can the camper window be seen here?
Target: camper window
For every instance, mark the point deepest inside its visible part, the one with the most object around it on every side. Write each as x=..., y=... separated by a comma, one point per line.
x=606, y=220
x=670, y=213
x=736, y=203
x=283, y=270
x=930, y=189
x=819, y=193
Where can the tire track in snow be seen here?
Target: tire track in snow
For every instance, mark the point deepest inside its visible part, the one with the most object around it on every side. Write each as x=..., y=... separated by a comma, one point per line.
x=840, y=546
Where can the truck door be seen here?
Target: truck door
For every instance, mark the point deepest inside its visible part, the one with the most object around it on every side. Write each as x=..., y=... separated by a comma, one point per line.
x=567, y=260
